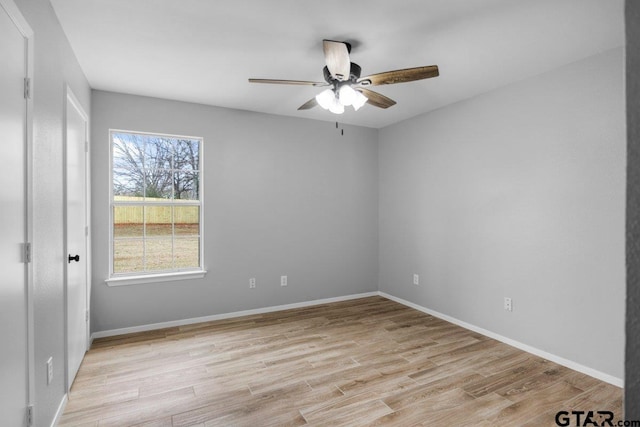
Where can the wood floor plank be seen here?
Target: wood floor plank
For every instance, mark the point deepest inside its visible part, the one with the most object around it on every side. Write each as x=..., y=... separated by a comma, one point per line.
x=286, y=418
x=360, y=409
x=128, y=412
x=548, y=399
x=160, y=422
x=369, y=361
x=603, y=393
x=460, y=411
x=505, y=378
x=84, y=401
x=519, y=390
x=424, y=407
x=431, y=351
x=512, y=359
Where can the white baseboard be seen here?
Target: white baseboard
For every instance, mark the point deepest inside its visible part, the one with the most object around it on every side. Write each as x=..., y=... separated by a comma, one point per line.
x=60, y=411
x=619, y=382
x=182, y=322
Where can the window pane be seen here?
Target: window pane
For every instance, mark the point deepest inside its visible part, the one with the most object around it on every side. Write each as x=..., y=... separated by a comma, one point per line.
x=159, y=254
x=158, y=152
x=186, y=185
x=158, y=221
x=187, y=155
x=187, y=252
x=127, y=221
x=158, y=184
x=127, y=182
x=128, y=255
x=186, y=220
x=128, y=164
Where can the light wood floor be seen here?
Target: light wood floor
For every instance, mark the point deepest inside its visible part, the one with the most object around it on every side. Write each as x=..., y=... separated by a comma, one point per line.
x=369, y=361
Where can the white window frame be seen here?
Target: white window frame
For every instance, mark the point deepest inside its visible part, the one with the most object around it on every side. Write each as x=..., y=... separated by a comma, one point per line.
x=123, y=279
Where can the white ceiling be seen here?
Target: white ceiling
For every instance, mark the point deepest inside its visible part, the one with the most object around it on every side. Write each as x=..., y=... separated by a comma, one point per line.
x=204, y=51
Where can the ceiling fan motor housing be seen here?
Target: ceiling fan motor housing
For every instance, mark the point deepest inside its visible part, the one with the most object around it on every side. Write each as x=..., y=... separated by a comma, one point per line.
x=354, y=74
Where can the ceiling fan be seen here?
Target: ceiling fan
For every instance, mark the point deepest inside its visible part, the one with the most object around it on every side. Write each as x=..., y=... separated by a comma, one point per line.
x=346, y=85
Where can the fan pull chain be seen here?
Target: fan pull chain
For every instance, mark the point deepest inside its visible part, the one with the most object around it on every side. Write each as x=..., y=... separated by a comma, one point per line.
x=341, y=130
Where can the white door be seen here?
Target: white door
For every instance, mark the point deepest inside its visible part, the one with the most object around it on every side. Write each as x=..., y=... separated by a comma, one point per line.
x=13, y=226
x=77, y=236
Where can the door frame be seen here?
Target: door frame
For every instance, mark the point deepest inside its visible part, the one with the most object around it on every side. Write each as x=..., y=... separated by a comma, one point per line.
x=23, y=26
x=70, y=97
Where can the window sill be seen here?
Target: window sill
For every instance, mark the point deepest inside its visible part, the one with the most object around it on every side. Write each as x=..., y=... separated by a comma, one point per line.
x=155, y=278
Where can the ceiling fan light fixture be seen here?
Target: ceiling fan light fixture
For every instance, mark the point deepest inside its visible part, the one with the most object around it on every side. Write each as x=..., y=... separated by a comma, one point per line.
x=336, y=107
x=326, y=98
x=347, y=95
x=359, y=100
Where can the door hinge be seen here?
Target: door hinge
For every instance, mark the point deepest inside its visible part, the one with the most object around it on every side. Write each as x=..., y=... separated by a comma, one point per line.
x=26, y=247
x=86, y=315
x=86, y=231
x=86, y=146
x=27, y=88
x=30, y=415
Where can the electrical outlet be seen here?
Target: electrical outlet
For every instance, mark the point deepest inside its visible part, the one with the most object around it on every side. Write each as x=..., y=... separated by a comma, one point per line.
x=49, y=370
x=283, y=280
x=507, y=304
x=252, y=283
x=416, y=279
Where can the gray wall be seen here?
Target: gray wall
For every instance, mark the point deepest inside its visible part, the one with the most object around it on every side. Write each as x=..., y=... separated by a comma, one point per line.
x=283, y=196
x=516, y=193
x=632, y=364
x=54, y=66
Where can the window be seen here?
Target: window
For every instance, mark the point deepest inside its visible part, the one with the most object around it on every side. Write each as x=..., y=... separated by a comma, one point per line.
x=156, y=206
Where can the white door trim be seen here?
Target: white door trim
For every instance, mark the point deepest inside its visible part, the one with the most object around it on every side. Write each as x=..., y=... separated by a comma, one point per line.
x=25, y=29
x=70, y=97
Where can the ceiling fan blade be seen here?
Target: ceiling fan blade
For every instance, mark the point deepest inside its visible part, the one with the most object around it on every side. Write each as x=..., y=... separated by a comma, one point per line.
x=376, y=99
x=400, y=76
x=309, y=104
x=288, y=82
x=336, y=55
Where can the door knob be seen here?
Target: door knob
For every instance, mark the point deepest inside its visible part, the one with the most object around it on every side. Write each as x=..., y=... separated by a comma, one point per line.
x=74, y=258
